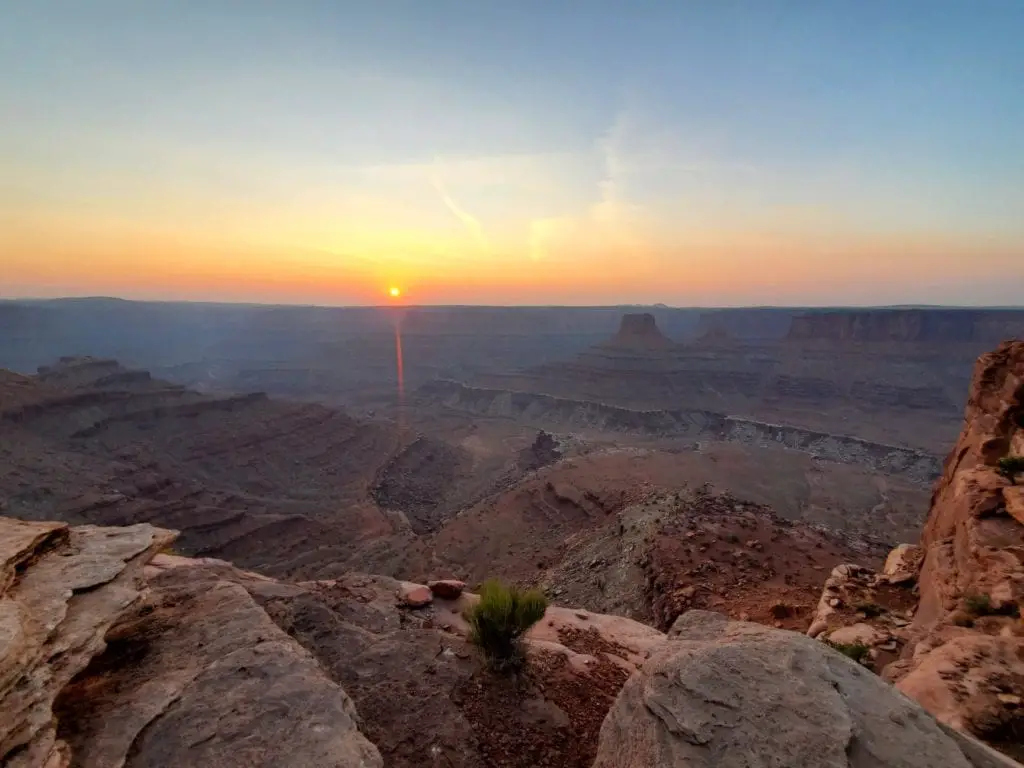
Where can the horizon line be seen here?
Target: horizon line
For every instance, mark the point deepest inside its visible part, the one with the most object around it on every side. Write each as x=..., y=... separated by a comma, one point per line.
x=399, y=305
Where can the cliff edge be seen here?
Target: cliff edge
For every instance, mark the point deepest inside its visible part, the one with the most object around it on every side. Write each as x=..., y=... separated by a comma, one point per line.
x=965, y=657
x=942, y=620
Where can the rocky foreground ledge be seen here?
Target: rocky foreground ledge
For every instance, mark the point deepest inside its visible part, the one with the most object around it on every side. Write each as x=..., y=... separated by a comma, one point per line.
x=114, y=654
x=943, y=619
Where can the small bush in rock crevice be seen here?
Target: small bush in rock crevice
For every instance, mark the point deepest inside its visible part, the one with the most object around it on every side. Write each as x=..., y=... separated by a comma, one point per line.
x=1011, y=466
x=869, y=609
x=499, y=621
x=978, y=604
x=856, y=651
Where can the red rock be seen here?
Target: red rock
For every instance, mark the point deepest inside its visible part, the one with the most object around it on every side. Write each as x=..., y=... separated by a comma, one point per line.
x=447, y=589
x=415, y=596
x=970, y=546
x=1014, y=497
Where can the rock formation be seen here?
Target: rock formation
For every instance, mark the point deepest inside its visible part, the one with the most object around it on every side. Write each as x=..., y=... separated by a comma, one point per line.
x=941, y=326
x=61, y=589
x=639, y=331
x=121, y=656
x=942, y=620
x=964, y=659
x=542, y=452
x=732, y=695
x=890, y=376
x=110, y=661
x=99, y=670
x=286, y=487
x=683, y=423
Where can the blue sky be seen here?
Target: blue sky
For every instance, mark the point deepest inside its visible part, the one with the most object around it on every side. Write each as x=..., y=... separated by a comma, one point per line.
x=685, y=152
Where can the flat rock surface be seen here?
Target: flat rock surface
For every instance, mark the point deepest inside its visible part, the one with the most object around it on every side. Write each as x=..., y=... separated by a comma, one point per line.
x=200, y=675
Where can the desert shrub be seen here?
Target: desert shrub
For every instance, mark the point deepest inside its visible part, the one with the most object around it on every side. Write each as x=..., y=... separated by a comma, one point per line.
x=857, y=651
x=978, y=604
x=869, y=609
x=501, y=618
x=1011, y=466
x=962, y=619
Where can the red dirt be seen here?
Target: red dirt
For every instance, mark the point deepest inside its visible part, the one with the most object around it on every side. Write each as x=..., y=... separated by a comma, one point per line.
x=740, y=559
x=548, y=718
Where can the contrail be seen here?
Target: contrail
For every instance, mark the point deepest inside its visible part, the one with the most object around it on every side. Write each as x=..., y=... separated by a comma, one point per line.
x=471, y=223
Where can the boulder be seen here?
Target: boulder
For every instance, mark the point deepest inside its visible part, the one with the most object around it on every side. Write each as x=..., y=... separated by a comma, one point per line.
x=415, y=596
x=903, y=563
x=447, y=589
x=734, y=695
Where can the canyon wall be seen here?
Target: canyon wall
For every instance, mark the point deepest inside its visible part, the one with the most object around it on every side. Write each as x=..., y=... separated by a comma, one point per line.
x=985, y=327
x=686, y=424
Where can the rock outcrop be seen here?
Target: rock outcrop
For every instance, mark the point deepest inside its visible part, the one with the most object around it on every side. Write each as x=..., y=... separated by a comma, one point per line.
x=422, y=694
x=100, y=669
x=61, y=589
x=732, y=695
x=639, y=331
x=114, y=655
x=965, y=656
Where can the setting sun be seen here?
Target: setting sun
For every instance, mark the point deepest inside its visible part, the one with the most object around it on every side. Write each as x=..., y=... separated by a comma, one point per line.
x=395, y=291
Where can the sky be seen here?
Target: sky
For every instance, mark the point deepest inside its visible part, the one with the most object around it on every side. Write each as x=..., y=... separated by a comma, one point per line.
x=692, y=153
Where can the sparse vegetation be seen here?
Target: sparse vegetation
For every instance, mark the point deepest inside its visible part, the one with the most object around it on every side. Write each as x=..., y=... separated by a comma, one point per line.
x=869, y=609
x=856, y=651
x=961, y=618
x=499, y=621
x=1011, y=466
x=977, y=604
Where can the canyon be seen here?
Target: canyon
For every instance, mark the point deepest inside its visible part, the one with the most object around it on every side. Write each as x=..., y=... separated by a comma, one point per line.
x=227, y=565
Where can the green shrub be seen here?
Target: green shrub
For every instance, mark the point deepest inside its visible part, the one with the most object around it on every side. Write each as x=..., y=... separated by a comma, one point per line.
x=962, y=618
x=978, y=604
x=1011, y=466
x=499, y=621
x=870, y=610
x=856, y=651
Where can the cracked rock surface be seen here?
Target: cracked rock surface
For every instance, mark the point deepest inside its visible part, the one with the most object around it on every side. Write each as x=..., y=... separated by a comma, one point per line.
x=100, y=669
x=62, y=589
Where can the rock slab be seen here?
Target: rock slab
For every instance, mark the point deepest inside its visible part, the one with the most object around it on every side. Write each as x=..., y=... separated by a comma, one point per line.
x=63, y=588
x=731, y=694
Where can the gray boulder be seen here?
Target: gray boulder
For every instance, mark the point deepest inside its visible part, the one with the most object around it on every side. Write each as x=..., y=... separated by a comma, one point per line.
x=732, y=694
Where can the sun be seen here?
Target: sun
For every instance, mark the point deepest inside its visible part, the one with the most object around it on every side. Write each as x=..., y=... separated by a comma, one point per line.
x=394, y=291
